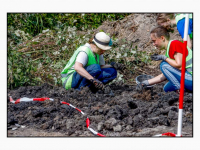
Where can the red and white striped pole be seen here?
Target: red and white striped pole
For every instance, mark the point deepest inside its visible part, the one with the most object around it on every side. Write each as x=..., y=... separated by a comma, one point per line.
x=180, y=113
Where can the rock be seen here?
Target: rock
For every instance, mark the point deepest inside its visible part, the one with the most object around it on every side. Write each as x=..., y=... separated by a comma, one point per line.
x=123, y=134
x=153, y=120
x=163, y=120
x=101, y=111
x=15, y=128
x=114, y=134
x=130, y=133
x=128, y=127
x=117, y=128
x=165, y=111
x=110, y=123
x=47, y=125
x=56, y=118
x=17, y=125
x=88, y=133
x=130, y=121
x=136, y=120
x=136, y=111
x=172, y=115
x=107, y=90
x=100, y=126
x=69, y=123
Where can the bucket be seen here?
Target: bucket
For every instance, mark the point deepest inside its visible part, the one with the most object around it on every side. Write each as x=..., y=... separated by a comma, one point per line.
x=143, y=77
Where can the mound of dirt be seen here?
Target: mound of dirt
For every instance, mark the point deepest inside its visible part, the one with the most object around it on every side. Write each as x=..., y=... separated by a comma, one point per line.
x=135, y=28
x=117, y=111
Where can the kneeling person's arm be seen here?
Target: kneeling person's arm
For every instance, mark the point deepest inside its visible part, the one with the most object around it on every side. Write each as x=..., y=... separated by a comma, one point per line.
x=81, y=62
x=80, y=70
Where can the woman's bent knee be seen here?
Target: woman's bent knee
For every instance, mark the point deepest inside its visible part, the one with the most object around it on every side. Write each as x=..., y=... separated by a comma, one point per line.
x=163, y=65
x=113, y=72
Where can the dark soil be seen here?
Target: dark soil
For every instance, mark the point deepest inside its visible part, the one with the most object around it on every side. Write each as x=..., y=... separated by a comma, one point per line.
x=122, y=112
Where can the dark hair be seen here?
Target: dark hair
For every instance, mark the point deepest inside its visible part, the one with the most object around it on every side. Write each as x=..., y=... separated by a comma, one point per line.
x=90, y=41
x=160, y=31
x=162, y=18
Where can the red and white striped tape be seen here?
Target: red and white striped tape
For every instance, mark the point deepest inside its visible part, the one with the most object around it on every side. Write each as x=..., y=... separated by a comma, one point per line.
x=94, y=132
x=167, y=134
x=26, y=99
x=87, y=120
x=62, y=102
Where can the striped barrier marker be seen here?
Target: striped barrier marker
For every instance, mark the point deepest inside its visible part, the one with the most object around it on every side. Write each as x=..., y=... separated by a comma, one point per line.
x=26, y=99
x=94, y=132
x=180, y=113
x=167, y=134
x=62, y=102
x=87, y=120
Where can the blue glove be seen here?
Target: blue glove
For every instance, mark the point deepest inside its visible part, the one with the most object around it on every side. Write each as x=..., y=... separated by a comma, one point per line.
x=158, y=57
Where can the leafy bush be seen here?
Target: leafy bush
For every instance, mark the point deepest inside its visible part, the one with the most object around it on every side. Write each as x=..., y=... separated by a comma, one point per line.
x=34, y=23
x=20, y=70
x=45, y=55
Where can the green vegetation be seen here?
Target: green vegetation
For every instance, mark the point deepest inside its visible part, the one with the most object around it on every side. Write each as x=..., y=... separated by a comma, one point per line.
x=39, y=45
x=34, y=23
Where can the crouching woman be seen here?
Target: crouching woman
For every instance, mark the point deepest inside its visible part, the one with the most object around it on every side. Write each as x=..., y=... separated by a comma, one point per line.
x=87, y=66
x=172, y=61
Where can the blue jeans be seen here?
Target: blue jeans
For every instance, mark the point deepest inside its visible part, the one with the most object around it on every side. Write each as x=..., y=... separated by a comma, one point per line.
x=105, y=75
x=173, y=75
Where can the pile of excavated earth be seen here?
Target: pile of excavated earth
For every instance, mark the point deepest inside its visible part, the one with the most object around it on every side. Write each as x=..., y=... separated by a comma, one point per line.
x=117, y=111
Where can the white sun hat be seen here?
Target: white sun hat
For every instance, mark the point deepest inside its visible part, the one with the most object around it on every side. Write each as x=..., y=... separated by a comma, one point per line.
x=102, y=40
